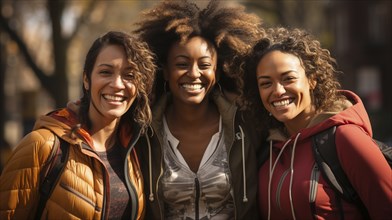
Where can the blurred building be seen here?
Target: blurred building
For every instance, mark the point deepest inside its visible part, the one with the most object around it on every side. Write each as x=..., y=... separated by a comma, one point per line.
x=363, y=48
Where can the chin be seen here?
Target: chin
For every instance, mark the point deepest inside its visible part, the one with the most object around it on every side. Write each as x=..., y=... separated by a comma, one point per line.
x=116, y=114
x=283, y=118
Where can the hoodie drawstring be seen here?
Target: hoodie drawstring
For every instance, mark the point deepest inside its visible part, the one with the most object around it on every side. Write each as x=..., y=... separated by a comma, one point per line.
x=151, y=196
x=272, y=169
x=245, y=198
x=292, y=175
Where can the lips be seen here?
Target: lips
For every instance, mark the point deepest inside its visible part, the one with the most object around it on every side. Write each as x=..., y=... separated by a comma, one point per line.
x=114, y=98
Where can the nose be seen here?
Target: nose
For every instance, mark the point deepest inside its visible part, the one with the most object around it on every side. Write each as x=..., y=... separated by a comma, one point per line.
x=279, y=89
x=194, y=72
x=117, y=81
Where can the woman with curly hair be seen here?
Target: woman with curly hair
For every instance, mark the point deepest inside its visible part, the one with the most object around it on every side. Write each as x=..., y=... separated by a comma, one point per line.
x=200, y=160
x=293, y=86
x=101, y=177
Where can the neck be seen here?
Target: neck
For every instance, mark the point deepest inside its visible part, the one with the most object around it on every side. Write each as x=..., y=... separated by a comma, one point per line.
x=300, y=122
x=103, y=134
x=191, y=116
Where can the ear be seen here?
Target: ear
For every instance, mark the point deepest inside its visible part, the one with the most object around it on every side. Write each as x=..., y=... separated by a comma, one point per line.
x=86, y=84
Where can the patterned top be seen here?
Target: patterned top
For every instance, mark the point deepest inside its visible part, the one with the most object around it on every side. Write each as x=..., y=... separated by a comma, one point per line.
x=202, y=195
x=119, y=207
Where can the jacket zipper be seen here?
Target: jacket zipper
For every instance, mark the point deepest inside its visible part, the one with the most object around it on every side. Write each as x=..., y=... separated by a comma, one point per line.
x=197, y=198
x=159, y=177
x=228, y=161
x=79, y=195
x=134, y=197
x=106, y=195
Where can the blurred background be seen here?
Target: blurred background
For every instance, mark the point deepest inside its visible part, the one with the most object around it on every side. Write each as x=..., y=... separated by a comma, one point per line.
x=43, y=44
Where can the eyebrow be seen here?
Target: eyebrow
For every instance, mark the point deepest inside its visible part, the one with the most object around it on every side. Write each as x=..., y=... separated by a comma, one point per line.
x=110, y=65
x=284, y=73
x=105, y=64
x=186, y=57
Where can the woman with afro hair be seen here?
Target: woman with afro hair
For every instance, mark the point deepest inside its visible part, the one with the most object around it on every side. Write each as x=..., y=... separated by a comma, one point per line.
x=199, y=161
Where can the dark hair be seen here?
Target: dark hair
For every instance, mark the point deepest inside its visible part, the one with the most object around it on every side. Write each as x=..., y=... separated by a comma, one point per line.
x=231, y=30
x=318, y=64
x=140, y=57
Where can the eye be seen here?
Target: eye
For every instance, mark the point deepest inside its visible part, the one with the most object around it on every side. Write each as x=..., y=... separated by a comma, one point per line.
x=181, y=65
x=129, y=75
x=264, y=84
x=204, y=66
x=289, y=78
x=105, y=72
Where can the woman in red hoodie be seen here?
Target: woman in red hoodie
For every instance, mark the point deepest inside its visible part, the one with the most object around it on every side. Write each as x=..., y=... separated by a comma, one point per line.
x=292, y=81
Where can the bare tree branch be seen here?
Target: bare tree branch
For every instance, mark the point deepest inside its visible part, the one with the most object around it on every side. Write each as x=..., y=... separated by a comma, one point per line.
x=83, y=18
x=4, y=24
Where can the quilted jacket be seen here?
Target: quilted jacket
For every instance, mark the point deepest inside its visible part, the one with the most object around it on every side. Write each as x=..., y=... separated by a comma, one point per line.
x=83, y=187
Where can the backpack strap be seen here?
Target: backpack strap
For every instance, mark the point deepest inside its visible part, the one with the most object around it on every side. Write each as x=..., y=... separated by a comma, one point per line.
x=386, y=150
x=50, y=173
x=325, y=154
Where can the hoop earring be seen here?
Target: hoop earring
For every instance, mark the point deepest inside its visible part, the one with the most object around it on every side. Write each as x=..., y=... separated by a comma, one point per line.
x=164, y=86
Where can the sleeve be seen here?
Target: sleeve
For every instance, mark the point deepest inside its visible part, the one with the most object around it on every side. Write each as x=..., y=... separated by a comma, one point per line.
x=367, y=169
x=20, y=177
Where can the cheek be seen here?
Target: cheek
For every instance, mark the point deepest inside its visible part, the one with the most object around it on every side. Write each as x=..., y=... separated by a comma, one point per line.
x=132, y=90
x=211, y=75
x=263, y=97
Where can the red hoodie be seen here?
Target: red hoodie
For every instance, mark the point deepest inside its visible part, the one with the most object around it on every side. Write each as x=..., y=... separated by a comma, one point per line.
x=293, y=174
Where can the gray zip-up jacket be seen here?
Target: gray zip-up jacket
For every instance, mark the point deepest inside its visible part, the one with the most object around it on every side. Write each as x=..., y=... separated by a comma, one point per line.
x=242, y=141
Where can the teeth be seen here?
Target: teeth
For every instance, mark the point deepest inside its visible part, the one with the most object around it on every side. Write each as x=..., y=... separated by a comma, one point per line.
x=192, y=86
x=281, y=103
x=114, y=98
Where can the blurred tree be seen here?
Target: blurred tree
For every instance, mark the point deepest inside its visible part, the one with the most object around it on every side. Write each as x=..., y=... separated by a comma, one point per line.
x=55, y=81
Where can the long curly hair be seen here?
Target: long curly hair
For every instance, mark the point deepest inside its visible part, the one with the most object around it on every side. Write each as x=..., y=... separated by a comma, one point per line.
x=318, y=64
x=231, y=30
x=141, y=59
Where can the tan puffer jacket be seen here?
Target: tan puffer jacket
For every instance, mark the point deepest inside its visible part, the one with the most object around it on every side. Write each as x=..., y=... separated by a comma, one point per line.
x=80, y=192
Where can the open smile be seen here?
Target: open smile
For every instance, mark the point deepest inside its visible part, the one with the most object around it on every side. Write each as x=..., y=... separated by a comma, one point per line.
x=282, y=103
x=114, y=98
x=192, y=87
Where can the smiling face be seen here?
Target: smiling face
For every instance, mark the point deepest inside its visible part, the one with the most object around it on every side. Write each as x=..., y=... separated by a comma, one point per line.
x=284, y=89
x=190, y=70
x=111, y=88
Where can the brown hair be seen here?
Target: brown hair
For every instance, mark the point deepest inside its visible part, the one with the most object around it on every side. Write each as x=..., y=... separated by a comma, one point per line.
x=141, y=58
x=317, y=62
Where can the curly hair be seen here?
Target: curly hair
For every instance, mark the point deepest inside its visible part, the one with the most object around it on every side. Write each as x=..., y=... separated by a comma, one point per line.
x=318, y=64
x=142, y=61
x=231, y=30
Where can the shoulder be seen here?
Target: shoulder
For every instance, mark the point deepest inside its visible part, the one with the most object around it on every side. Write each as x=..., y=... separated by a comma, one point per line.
x=352, y=134
x=33, y=149
x=365, y=167
x=352, y=142
x=22, y=169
